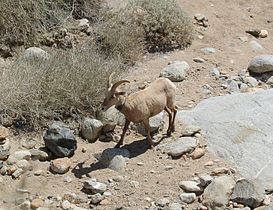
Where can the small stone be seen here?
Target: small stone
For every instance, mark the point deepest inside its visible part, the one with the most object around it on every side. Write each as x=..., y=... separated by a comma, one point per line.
x=243, y=38
x=95, y=199
x=215, y=72
x=23, y=164
x=252, y=82
x=243, y=88
x=38, y=172
x=263, y=34
x=190, y=186
x=68, y=179
x=209, y=163
x=4, y=133
x=187, y=197
x=181, y=146
x=198, y=153
x=107, y=194
x=208, y=50
x=95, y=187
x=199, y=60
x=4, y=149
x=140, y=164
x=37, y=154
x=22, y=155
x=134, y=184
x=23, y=206
x=176, y=71
x=36, y=203
x=105, y=202
x=60, y=165
x=3, y=170
x=11, y=169
x=91, y=129
x=66, y=204
x=17, y=173
x=261, y=64
x=200, y=17
x=220, y=171
x=11, y=160
x=205, y=180
x=175, y=206
x=163, y=202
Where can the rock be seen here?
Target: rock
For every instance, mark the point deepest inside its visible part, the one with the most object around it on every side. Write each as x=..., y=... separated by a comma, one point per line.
x=3, y=170
x=220, y=171
x=208, y=50
x=217, y=193
x=24, y=206
x=270, y=81
x=199, y=60
x=187, y=197
x=191, y=186
x=118, y=163
x=60, y=140
x=205, y=180
x=243, y=87
x=60, y=165
x=83, y=24
x=215, y=72
x=263, y=34
x=190, y=130
x=4, y=149
x=23, y=164
x=261, y=64
x=95, y=199
x=181, y=146
x=29, y=143
x=95, y=187
x=243, y=122
x=111, y=157
x=252, y=82
x=176, y=71
x=199, y=17
x=91, y=129
x=156, y=123
x=163, y=202
x=66, y=205
x=35, y=53
x=11, y=160
x=22, y=155
x=111, y=117
x=36, y=203
x=255, y=46
x=198, y=153
x=37, y=154
x=248, y=192
x=17, y=173
x=4, y=133
x=233, y=86
x=243, y=38
x=38, y=172
x=175, y=206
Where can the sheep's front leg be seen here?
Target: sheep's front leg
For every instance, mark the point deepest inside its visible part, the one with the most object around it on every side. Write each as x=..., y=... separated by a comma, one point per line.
x=170, y=121
x=127, y=122
x=148, y=132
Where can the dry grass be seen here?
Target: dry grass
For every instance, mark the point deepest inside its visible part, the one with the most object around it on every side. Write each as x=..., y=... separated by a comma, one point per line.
x=68, y=81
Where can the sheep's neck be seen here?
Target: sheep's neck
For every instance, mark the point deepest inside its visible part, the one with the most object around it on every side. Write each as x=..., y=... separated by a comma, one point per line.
x=121, y=104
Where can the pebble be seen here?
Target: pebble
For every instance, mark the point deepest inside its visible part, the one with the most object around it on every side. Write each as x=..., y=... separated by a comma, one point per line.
x=38, y=172
x=97, y=198
x=199, y=60
x=36, y=203
x=209, y=163
x=198, y=153
x=263, y=34
x=220, y=171
x=95, y=187
x=60, y=165
x=205, y=180
x=17, y=173
x=190, y=186
x=163, y=202
x=66, y=204
x=22, y=154
x=187, y=197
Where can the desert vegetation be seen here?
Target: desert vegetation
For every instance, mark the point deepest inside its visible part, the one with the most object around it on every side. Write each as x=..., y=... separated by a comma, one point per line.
x=73, y=80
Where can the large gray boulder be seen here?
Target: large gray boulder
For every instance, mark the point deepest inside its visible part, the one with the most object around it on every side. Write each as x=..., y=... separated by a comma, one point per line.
x=60, y=140
x=238, y=128
x=91, y=129
x=261, y=64
x=176, y=71
x=35, y=53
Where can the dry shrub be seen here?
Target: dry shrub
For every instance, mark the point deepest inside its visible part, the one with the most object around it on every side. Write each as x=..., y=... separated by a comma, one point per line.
x=154, y=25
x=68, y=81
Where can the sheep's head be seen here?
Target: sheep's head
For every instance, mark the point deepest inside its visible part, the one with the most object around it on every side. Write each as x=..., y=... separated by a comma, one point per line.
x=113, y=95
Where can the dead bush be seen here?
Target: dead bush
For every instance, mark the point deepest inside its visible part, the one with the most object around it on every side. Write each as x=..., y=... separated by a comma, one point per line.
x=66, y=82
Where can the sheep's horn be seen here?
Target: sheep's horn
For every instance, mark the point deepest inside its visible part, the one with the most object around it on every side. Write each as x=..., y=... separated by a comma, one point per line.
x=110, y=80
x=118, y=84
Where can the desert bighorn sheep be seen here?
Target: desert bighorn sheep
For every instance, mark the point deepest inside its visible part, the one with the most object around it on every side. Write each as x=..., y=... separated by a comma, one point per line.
x=141, y=105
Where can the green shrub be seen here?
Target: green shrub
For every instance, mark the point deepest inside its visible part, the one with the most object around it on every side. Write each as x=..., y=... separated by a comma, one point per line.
x=68, y=81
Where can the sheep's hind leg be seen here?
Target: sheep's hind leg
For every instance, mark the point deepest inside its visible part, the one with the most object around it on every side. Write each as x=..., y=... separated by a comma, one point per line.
x=170, y=121
x=174, y=114
x=148, y=132
x=127, y=122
